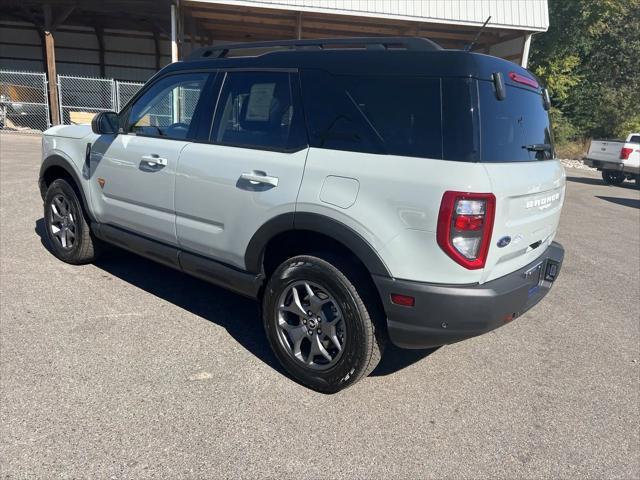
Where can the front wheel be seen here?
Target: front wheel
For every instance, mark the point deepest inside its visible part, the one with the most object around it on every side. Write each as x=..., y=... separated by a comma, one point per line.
x=67, y=230
x=612, y=177
x=318, y=325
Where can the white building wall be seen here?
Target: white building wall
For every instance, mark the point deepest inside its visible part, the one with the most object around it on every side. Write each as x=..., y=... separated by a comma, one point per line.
x=518, y=14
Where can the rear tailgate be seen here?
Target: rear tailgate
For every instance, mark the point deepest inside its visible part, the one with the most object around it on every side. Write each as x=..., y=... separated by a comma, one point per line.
x=529, y=198
x=528, y=183
x=605, y=151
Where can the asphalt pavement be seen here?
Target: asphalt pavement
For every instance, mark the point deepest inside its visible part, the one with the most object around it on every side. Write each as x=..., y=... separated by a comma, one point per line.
x=127, y=369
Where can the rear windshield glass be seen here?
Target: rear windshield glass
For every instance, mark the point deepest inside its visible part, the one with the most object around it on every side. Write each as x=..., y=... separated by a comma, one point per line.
x=514, y=129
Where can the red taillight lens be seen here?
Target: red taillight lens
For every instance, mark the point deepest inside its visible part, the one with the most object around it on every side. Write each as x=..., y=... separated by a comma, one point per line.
x=465, y=224
x=625, y=152
x=469, y=222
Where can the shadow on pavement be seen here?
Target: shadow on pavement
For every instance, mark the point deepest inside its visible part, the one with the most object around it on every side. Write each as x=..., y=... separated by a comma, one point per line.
x=627, y=202
x=599, y=181
x=238, y=315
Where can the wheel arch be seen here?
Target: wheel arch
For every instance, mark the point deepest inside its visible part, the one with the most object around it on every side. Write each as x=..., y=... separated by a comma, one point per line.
x=56, y=166
x=316, y=225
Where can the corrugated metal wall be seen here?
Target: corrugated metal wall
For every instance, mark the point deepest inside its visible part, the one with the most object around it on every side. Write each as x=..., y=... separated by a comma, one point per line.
x=524, y=14
x=128, y=55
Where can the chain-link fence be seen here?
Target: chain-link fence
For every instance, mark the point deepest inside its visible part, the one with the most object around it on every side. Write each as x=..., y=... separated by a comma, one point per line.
x=82, y=97
x=125, y=92
x=24, y=103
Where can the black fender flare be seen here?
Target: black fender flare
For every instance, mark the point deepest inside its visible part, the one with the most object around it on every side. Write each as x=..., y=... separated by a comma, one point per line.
x=315, y=223
x=61, y=162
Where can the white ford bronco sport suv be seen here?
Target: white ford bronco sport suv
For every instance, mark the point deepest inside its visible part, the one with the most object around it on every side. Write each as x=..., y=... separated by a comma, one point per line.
x=360, y=189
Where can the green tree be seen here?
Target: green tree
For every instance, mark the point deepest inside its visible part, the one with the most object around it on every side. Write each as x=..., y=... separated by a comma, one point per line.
x=590, y=60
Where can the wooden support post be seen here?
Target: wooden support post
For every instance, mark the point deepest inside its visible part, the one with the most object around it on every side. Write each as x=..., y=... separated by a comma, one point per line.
x=54, y=105
x=49, y=55
x=299, y=26
x=100, y=36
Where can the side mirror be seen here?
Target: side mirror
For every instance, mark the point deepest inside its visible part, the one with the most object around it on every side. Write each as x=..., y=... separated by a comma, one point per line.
x=106, y=123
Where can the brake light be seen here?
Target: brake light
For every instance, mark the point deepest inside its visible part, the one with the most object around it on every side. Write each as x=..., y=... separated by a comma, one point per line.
x=625, y=152
x=516, y=77
x=465, y=223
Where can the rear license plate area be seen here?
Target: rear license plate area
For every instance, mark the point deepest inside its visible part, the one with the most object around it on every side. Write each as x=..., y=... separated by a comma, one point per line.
x=533, y=276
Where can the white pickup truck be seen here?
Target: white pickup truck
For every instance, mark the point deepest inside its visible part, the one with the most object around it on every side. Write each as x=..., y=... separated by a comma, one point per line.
x=616, y=159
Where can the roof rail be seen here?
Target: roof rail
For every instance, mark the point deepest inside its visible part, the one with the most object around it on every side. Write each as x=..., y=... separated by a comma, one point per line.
x=370, y=43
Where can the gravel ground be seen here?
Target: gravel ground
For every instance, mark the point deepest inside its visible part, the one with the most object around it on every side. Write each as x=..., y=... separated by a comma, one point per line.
x=126, y=369
x=578, y=164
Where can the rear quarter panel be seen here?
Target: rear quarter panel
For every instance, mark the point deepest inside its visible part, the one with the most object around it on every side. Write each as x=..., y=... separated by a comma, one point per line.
x=396, y=206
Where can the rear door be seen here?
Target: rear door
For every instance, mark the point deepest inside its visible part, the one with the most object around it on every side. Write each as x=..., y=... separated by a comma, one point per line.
x=528, y=183
x=246, y=169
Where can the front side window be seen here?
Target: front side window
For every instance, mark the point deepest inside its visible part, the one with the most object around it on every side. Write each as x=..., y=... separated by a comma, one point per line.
x=257, y=110
x=167, y=108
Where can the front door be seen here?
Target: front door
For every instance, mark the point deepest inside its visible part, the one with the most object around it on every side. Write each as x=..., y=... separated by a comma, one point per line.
x=133, y=173
x=247, y=170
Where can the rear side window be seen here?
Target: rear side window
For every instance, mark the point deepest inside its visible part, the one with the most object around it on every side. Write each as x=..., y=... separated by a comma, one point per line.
x=635, y=139
x=374, y=114
x=257, y=110
x=514, y=129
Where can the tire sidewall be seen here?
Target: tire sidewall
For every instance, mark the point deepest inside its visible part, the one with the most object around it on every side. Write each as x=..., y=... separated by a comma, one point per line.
x=356, y=349
x=58, y=187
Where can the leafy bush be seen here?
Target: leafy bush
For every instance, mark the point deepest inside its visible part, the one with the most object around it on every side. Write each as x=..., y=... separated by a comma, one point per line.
x=589, y=61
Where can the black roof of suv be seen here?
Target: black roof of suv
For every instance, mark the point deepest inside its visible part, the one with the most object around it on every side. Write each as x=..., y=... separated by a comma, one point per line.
x=373, y=56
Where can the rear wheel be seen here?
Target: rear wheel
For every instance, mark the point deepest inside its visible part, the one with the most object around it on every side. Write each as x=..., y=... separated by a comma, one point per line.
x=67, y=230
x=612, y=177
x=318, y=325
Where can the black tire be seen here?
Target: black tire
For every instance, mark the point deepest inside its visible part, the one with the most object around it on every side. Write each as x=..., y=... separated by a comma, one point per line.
x=363, y=342
x=83, y=247
x=612, y=177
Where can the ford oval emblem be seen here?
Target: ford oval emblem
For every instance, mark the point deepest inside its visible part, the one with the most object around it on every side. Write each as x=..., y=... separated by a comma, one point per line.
x=504, y=241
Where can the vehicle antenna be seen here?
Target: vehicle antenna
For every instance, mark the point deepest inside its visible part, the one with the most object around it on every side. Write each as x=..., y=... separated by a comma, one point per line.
x=468, y=47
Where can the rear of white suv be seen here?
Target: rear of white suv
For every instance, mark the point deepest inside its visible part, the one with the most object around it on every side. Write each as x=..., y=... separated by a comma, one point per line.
x=452, y=180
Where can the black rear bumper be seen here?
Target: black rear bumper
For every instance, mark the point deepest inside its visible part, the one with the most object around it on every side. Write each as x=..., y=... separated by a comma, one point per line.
x=445, y=314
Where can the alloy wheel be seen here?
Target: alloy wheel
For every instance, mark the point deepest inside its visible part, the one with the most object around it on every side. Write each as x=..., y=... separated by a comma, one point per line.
x=311, y=325
x=62, y=222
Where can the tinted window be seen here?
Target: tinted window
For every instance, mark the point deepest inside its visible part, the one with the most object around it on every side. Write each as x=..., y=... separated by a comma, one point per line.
x=166, y=109
x=333, y=119
x=380, y=114
x=257, y=110
x=460, y=120
x=635, y=139
x=513, y=129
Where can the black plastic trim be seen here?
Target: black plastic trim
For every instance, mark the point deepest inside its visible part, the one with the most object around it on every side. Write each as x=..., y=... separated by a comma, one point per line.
x=445, y=314
x=313, y=222
x=207, y=269
x=58, y=161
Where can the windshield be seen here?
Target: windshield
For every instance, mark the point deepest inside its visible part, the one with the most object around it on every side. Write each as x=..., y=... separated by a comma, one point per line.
x=515, y=129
